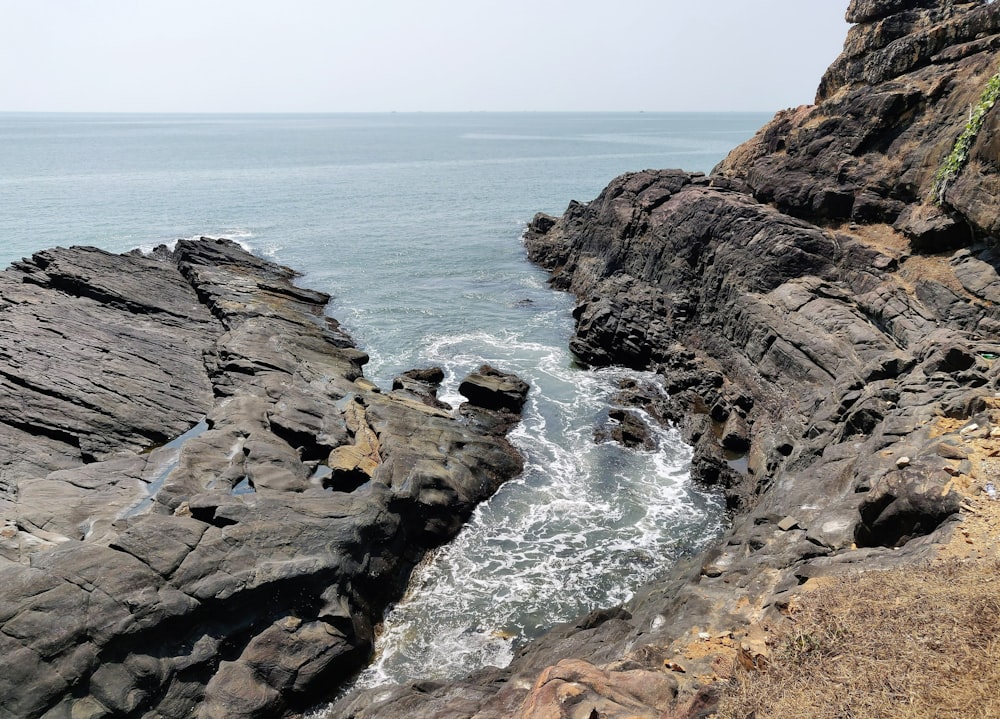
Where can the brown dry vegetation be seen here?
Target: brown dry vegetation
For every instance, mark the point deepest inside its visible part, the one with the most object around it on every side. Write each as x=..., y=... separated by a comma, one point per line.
x=913, y=644
x=902, y=644
x=913, y=267
x=921, y=643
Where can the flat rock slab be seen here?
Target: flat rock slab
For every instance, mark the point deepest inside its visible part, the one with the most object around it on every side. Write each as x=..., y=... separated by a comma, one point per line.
x=178, y=537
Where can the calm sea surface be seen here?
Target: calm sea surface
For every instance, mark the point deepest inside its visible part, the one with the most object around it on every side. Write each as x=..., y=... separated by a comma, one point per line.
x=413, y=223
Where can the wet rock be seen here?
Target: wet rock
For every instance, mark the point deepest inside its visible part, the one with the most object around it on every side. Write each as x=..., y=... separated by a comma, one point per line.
x=492, y=389
x=629, y=429
x=222, y=574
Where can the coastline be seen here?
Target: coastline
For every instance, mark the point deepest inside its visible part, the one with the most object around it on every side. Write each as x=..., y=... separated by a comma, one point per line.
x=278, y=531
x=810, y=307
x=827, y=333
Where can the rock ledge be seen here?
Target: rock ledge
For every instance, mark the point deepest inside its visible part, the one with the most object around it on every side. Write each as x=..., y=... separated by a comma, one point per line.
x=205, y=505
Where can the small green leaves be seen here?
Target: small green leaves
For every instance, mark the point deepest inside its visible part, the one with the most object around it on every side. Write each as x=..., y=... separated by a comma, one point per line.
x=959, y=156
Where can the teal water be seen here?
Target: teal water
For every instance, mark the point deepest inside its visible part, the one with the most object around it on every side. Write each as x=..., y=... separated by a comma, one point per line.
x=413, y=224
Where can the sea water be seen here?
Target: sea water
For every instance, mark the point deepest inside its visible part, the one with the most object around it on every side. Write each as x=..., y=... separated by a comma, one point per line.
x=413, y=223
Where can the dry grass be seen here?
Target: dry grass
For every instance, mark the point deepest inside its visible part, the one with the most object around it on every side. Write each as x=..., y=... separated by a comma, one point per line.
x=891, y=242
x=921, y=643
x=913, y=644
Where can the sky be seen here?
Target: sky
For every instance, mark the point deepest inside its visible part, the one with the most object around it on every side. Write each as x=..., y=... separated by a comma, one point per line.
x=414, y=55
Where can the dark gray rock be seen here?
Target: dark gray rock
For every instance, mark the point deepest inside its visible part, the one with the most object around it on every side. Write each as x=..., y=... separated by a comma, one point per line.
x=239, y=570
x=787, y=319
x=628, y=429
x=492, y=389
x=932, y=228
x=869, y=10
x=887, y=114
x=911, y=502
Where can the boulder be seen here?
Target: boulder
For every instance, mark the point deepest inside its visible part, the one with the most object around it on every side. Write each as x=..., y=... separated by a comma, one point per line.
x=630, y=430
x=932, y=229
x=489, y=388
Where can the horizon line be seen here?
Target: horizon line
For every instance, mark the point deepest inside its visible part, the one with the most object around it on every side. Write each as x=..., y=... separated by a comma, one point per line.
x=385, y=112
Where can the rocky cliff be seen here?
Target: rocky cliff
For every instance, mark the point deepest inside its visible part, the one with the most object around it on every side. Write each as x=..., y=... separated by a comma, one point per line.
x=823, y=311
x=204, y=504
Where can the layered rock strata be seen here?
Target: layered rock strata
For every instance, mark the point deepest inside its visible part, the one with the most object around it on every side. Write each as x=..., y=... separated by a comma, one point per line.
x=826, y=325
x=205, y=505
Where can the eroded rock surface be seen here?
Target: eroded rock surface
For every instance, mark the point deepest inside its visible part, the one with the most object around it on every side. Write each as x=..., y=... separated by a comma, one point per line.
x=827, y=337
x=235, y=571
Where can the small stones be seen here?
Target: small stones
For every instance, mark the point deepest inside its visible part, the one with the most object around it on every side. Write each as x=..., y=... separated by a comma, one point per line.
x=903, y=462
x=788, y=523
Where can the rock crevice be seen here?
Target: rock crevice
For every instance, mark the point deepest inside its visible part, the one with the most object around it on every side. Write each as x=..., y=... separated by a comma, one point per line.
x=182, y=534
x=827, y=337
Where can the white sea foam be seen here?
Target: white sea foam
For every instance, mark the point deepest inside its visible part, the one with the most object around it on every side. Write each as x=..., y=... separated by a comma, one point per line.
x=240, y=237
x=583, y=526
x=415, y=237
x=147, y=247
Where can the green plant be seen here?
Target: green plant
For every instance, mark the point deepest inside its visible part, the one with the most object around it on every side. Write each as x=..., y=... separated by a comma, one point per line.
x=959, y=156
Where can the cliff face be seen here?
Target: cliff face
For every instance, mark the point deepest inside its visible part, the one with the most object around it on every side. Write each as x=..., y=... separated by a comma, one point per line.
x=887, y=114
x=237, y=570
x=824, y=315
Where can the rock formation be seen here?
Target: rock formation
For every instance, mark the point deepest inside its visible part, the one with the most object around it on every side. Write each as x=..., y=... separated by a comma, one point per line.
x=205, y=505
x=823, y=312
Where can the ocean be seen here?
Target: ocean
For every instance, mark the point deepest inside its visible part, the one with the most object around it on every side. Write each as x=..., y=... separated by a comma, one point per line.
x=412, y=222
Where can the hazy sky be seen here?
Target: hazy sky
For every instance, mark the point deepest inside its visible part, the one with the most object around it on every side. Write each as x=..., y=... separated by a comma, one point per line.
x=414, y=55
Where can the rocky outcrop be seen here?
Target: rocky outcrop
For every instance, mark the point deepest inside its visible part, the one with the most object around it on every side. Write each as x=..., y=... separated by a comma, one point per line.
x=823, y=345
x=205, y=505
x=888, y=112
